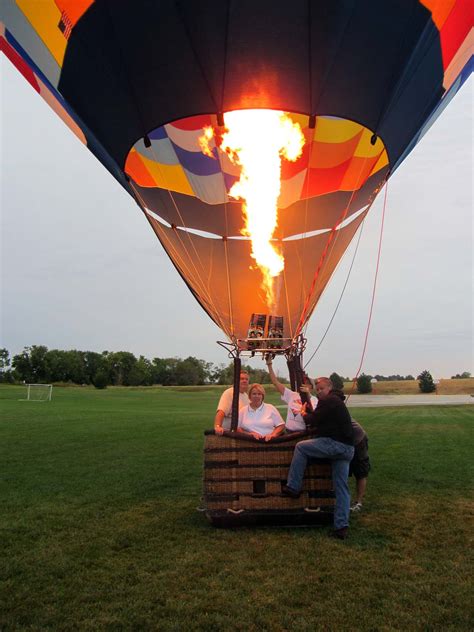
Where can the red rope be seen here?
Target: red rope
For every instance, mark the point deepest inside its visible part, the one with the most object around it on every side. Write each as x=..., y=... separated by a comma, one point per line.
x=373, y=293
x=334, y=232
x=320, y=264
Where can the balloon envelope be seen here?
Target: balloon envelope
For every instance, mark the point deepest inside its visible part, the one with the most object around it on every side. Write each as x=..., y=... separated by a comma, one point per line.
x=137, y=81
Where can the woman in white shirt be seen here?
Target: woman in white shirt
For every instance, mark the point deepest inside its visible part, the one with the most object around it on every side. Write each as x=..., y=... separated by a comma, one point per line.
x=259, y=420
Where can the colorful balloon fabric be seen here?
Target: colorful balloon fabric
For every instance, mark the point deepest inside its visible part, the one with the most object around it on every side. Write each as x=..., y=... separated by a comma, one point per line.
x=137, y=82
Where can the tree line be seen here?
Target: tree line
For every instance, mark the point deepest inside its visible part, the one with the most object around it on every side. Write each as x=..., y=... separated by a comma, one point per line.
x=38, y=364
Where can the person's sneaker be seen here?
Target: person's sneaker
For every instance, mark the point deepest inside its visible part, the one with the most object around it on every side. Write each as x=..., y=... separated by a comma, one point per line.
x=356, y=507
x=287, y=491
x=339, y=534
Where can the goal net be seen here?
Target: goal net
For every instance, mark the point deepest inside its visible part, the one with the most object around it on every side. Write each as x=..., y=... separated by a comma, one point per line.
x=39, y=392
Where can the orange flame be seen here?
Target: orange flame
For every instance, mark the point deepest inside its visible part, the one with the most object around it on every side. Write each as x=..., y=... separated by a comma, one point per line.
x=257, y=140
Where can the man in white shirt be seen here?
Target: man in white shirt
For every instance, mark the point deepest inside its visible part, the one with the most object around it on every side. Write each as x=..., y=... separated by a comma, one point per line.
x=294, y=421
x=223, y=418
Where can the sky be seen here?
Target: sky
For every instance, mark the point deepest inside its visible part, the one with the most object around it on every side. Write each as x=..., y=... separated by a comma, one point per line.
x=81, y=268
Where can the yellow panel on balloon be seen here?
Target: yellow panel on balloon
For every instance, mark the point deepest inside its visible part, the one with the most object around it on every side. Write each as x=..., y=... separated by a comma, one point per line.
x=45, y=17
x=301, y=119
x=365, y=149
x=328, y=155
x=170, y=177
x=335, y=130
x=381, y=163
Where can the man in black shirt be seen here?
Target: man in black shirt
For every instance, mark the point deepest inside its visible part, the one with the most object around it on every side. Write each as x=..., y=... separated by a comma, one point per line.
x=331, y=423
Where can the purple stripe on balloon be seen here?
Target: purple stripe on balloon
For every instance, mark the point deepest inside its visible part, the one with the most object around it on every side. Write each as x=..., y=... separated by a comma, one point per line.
x=158, y=134
x=196, y=162
x=229, y=181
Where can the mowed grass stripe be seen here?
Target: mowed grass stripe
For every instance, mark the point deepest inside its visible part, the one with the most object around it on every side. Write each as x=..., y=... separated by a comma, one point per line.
x=99, y=528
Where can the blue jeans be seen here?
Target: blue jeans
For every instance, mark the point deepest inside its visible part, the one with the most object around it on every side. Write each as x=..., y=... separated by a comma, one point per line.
x=341, y=455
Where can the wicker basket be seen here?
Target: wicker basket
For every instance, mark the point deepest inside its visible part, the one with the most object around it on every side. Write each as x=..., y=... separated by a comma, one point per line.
x=243, y=479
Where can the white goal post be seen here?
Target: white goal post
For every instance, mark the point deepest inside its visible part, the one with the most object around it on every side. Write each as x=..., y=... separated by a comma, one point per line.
x=38, y=392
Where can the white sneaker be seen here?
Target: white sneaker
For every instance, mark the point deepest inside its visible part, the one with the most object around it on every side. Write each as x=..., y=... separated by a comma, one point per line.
x=356, y=507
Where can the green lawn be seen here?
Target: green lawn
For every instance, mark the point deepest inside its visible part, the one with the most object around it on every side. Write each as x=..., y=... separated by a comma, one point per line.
x=100, y=530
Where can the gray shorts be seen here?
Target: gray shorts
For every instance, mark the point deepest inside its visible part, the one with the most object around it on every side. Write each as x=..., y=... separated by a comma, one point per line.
x=360, y=464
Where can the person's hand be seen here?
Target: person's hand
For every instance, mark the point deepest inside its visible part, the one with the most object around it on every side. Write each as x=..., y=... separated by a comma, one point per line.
x=303, y=408
x=305, y=388
x=297, y=407
x=268, y=437
x=219, y=430
x=257, y=435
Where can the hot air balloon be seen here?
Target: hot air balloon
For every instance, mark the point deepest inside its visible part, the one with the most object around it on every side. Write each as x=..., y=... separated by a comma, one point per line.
x=140, y=82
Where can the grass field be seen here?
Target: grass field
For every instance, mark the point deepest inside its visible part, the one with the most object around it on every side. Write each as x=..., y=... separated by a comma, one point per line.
x=410, y=387
x=100, y=528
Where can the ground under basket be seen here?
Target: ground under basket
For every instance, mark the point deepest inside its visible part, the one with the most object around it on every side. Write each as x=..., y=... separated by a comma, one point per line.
x=243, y=480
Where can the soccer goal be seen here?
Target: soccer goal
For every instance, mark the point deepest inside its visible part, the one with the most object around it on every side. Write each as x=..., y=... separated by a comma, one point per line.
x=39, y=392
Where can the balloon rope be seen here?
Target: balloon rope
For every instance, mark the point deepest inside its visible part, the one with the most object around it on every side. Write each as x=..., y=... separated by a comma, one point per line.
x=198, y=277
x=229, y=292
x=183, y=265
x=306, y=209
x=326, y=249
x=290, y=324
x=360, y=229
x=373, y=292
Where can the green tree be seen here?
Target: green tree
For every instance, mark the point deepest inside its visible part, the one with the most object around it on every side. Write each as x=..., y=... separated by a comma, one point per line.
x=4, y=363
x=225, y=374
x=100, y=379
x=120, y=363
x=191, y=371
x=142, y=373
x=4, y=359
x=337, y=381
x=425, y=382
x=22, y=366
x=30, y=364
x=5, y=373
x=159, y=370
x=38, y=362
x=364, y=384
x=56, y=369
x=465, y=375
x=93, y=362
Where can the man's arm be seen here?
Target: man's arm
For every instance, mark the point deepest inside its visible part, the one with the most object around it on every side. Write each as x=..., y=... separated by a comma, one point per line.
x=218, y=419
x=255, y=435
x=321, y=412
x=276, y=431
x=278, y=385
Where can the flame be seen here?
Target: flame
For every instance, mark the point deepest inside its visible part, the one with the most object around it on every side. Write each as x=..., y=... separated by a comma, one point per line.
x=205, y=141
x=257, y=140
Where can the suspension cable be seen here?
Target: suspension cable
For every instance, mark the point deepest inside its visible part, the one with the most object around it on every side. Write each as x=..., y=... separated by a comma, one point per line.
x=373, y=293
x=361, y=228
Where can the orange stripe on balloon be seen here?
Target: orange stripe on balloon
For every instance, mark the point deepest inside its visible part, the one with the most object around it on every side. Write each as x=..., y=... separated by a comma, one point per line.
x=74, y=9
x=329, y=155
x=440, y=9
x=357, y=173
x=322, y=181
x=382, y=162
x=291, y=169
x=135, y=168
